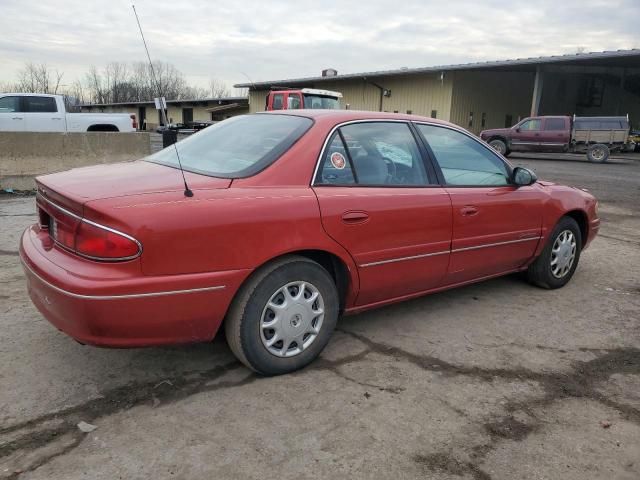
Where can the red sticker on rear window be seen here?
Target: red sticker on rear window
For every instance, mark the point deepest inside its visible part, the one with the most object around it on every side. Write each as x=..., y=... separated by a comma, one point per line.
x=338, y=161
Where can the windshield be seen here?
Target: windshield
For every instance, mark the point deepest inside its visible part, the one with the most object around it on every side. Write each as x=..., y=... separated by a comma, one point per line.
x=321, y=102
x=238, y=147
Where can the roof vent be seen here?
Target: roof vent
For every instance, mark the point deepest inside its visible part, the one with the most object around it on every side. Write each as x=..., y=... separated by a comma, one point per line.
x=329, y=72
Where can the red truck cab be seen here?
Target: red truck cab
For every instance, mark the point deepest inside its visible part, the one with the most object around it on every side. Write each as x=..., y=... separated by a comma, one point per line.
x=540, y=134
x=307, y=98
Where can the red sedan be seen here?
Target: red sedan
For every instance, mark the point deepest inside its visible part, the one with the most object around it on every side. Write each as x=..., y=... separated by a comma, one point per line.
x=284, y=222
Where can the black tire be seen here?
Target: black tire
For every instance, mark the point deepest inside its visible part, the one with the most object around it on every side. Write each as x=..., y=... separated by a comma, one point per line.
x=598, y=153
x=499, y=146
x=540, y=271
x=243, y=322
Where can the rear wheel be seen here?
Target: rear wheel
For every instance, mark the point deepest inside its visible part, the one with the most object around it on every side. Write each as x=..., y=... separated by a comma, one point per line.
x=559, y=259
x=499, y=146
x=283, y=317
x=598, y=153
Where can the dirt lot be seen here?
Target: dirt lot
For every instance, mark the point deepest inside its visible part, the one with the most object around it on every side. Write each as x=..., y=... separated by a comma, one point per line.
x=498, y=380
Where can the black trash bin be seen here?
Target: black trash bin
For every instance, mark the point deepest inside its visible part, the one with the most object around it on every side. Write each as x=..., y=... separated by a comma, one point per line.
x=169, y=137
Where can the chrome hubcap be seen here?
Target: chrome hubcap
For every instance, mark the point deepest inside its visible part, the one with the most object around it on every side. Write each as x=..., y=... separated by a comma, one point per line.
x=291, y=319
x=498, y=147
x=597, y=153
x=563, y=253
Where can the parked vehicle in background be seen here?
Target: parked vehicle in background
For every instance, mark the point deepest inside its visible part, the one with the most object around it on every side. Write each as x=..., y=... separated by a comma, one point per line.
x=597, y=136
x=634, y=136
x=35, y=112
x=304, y=98
x=294, y=220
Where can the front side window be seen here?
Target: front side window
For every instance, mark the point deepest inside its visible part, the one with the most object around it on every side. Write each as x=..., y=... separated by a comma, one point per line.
x=463, y=160
x=529, y=125
x=375, y=154
x=278, y=100
x=40, y=104
x=237, y=147
x=9, y=104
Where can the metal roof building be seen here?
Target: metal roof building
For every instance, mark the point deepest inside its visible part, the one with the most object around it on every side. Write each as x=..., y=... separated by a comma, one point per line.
x=178, y=111
x=489, y=94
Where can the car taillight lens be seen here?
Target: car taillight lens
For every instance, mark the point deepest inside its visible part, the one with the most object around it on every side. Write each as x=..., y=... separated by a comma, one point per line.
x=101, y=243
x=87, y=238
x=134, y=122
x=62, y=229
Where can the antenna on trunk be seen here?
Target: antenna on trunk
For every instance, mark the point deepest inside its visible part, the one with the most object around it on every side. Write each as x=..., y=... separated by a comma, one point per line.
x=187, y=190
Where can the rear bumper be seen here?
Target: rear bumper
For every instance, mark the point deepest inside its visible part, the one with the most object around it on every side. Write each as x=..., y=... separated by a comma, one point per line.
x=96, y=307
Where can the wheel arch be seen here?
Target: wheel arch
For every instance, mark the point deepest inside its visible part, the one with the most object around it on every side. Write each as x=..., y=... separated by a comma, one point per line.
x=581, y=218
x=343, y=274
x=102, y=127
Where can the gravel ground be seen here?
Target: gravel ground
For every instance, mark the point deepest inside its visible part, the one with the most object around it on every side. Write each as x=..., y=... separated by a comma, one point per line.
x=498, y=380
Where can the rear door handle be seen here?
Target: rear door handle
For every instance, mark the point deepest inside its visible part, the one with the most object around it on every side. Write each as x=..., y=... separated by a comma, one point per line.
x=16, y=118
x=355, y=217
x=469, y=210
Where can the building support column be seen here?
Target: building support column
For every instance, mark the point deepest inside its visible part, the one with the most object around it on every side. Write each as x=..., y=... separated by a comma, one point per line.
x=537, y=92
x=623, y=75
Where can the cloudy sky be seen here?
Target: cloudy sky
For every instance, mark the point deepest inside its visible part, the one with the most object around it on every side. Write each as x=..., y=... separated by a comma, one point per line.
x=283, y=39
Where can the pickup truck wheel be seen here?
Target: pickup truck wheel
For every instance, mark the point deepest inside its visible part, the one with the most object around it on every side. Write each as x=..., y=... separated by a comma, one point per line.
x=499, y=146
x=598, y=153
x=283, y=317
x=559, y=259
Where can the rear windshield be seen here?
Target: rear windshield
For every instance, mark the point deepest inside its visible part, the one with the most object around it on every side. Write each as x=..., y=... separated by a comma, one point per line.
x=235, y=148
x=321, y=102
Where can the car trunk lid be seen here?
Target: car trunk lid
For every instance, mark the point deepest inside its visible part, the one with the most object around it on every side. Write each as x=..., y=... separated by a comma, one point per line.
x=73, y=188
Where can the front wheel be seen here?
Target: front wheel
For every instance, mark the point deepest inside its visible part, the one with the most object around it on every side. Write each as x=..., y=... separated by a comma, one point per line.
x=559, y=259
x=499, y=146
x=283, y=317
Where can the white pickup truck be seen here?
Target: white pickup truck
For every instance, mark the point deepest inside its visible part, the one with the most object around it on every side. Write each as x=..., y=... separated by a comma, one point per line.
x=35, y=112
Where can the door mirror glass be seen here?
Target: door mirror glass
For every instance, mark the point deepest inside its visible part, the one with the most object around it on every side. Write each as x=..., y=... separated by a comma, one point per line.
x=523, y=176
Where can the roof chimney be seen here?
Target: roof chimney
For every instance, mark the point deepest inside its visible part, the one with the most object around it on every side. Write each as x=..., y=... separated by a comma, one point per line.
x=329, y=72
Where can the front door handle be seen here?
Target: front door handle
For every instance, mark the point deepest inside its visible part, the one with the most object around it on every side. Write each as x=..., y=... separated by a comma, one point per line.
x=355, y=217
x=16, y=118
x=469, y=211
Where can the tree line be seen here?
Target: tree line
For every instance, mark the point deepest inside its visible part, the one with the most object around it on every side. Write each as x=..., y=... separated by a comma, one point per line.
x=115, y=82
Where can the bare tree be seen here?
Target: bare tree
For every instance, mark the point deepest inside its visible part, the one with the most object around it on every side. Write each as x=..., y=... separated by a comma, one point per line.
x=38, y=78
x=218, y=89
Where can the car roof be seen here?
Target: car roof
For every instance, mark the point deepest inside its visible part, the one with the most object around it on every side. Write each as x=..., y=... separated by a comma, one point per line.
x=340, y=116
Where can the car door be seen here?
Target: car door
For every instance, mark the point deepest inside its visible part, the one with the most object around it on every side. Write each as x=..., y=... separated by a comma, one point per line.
x=496, y=225
x=41, y=114
x=11, y=116
x=556, y=134
x=378, y=201
x=526, y=135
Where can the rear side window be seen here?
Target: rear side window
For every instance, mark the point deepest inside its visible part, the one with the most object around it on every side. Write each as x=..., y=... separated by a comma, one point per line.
x=554, y=124
x=375, y=154
x=237, y=147
x=40, y=104
x=463, y=160
x=9, y=104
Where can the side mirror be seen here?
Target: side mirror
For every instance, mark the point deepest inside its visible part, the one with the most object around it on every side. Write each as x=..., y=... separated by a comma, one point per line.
x=523, y=176
x=518, y=130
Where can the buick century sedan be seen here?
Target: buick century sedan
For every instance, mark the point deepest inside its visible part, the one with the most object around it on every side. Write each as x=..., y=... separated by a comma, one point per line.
x=284, y=222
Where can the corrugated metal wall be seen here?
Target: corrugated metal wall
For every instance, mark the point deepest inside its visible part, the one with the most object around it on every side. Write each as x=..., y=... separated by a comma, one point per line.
x=421, y=94
x=494, y=94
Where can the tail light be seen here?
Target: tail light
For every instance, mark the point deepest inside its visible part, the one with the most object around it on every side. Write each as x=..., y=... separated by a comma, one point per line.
x=87, y=238
x=134, y=122
x=103, y=243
